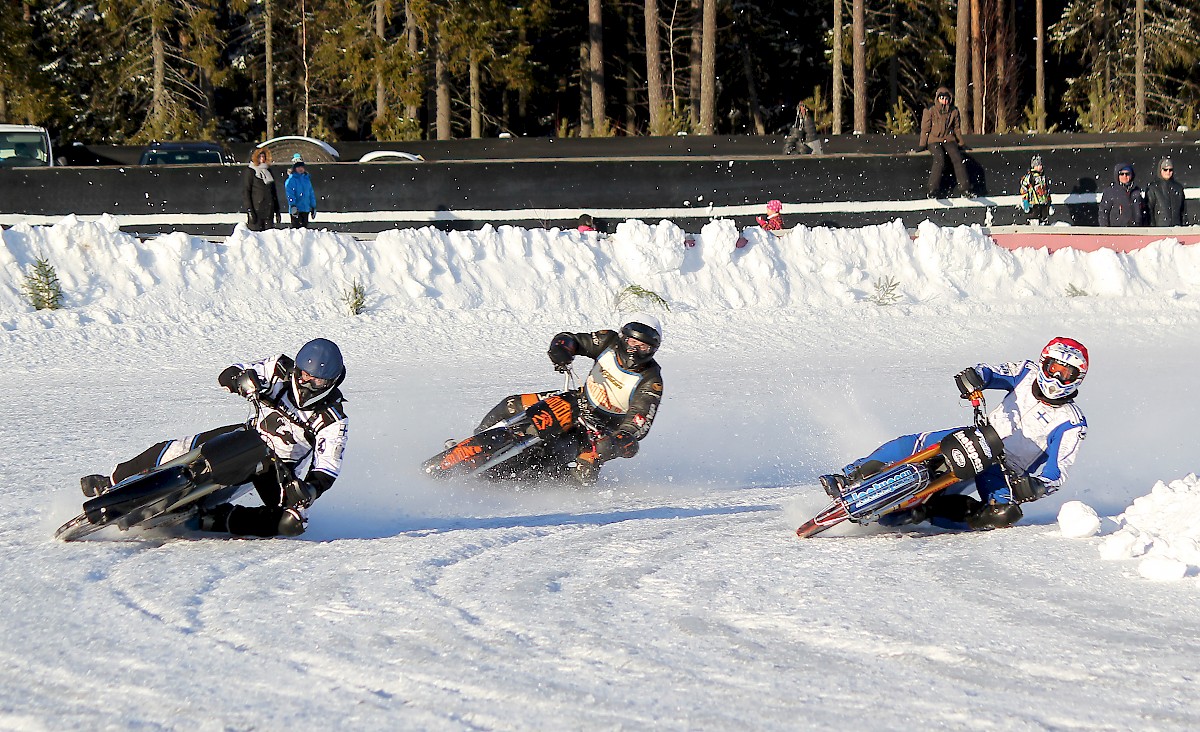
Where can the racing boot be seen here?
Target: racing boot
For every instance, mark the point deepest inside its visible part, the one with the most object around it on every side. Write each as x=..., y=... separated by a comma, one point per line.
x=216, y=518
x=586, y=468
x=95, y=485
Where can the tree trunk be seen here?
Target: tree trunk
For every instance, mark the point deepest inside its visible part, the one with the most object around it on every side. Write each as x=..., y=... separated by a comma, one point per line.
x=751, y=91
x=977, y=68
x=476, y=99
x=708, y=69
x=304, y=61
x=270, y=61
x=1039, y=98
x=410, y=33
x=1139, y=66
x=380, y=31
x=596, y=66
x=585, y=98
x=1002, y=48
x=3, y=102
x=441, y=74
x=158, y=94
x=859, y=39
x=962, y=63
x=654, y=78
x=695, y=73
x=839, y=76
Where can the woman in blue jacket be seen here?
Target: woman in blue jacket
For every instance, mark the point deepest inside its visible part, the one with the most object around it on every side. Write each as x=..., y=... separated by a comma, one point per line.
x=302, y=201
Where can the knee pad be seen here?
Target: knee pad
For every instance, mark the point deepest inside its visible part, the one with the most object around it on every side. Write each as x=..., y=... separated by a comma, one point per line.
x=292, y=522
x=995, y=516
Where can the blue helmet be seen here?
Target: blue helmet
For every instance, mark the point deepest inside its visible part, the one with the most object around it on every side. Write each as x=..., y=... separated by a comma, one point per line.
x=319, y=368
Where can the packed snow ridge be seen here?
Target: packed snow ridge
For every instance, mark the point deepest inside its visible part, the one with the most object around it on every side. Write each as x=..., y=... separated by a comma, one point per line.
x=110, y=276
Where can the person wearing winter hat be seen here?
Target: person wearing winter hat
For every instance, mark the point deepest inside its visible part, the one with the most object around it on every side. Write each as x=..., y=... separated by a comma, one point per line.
x=773, y=221
x=940, y=133
x=1122, y=203
x=1035, y=194
x=1165, y=197
x=302, y=200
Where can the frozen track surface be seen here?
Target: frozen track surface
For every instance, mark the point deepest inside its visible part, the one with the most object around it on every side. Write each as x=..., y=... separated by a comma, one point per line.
x=674, y=596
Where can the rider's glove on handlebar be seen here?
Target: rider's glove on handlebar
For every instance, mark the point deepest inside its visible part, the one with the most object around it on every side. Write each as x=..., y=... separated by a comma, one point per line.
x=969, y=381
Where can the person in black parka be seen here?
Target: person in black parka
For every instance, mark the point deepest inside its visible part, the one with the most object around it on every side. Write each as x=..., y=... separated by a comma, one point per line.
x=259, y=193
x=1122, y=203
x=1165, y=197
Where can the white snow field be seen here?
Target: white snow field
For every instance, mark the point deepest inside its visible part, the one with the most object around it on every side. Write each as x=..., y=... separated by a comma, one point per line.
x=674, y=595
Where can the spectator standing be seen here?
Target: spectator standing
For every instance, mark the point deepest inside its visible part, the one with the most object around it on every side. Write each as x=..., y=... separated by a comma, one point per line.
x=585, y=223
x=1035, y=193
x=940, y=135
x=1122, y=203
x=261, y=197
x=803, y=139
x=302, y=200
x=774, y=219
x=1165, y=197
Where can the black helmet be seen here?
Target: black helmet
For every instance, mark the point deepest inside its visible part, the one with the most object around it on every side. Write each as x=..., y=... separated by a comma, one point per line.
x=319, y=368
x=640, y=337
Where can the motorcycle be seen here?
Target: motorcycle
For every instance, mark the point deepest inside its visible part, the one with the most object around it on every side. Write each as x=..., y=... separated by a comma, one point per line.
x=218, y=471
x=881, y=489
x=510, y=451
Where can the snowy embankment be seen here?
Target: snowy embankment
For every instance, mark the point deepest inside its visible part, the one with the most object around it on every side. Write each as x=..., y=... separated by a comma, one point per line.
x=674, y=595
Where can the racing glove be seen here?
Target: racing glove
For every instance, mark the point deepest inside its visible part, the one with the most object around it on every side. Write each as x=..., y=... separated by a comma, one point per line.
x=969, y=381
x=617, y=445
x=562, y=351
x=249, y=384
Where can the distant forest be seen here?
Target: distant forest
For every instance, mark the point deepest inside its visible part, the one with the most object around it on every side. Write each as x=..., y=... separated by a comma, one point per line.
x=130, y=71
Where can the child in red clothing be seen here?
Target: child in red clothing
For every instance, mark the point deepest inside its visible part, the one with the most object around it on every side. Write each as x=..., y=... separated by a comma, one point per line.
x=773, y=221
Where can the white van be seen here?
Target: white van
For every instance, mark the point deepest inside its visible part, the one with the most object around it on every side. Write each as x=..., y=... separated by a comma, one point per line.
x=25, y=146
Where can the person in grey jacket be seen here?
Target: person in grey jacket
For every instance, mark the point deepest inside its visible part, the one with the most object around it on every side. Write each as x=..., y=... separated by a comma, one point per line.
x=1165, y=197
x=803, y=138
x=1122, y=203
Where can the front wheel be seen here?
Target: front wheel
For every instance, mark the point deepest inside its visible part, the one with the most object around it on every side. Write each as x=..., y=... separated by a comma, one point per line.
x=77, y=528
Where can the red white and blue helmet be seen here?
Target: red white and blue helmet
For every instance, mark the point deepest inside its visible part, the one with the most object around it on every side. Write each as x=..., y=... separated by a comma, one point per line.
x=1063, y=365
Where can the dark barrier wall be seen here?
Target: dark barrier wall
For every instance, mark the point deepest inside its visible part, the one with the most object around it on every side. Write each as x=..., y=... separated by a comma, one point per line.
x=848, y=189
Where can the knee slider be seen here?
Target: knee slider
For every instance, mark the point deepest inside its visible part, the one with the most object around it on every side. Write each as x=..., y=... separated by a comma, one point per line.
x=292, y=523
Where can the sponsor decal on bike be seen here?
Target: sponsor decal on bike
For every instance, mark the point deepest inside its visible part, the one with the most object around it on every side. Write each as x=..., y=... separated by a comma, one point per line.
x=969, y=451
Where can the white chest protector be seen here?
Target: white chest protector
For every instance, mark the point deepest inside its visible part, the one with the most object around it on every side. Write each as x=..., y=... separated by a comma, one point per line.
x=610, y=387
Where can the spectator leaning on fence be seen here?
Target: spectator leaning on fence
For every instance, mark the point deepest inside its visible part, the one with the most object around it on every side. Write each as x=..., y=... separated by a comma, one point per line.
x=1122, y=203
x=940, y=133
x=1165, y=197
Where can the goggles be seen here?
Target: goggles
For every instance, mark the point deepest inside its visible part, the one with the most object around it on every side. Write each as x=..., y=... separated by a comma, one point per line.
x=1124, y=173
x=1063, y=373
x=641, y=348
x=309, y=380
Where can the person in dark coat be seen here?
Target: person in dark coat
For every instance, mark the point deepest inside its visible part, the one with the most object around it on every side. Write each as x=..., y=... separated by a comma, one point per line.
x=803, y=138
x=940, y=133
x=1122, y=203
x=260, y=196
x=1165, y=197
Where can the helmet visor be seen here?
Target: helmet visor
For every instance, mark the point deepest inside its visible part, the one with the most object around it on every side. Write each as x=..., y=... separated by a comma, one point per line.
x=1063, y=373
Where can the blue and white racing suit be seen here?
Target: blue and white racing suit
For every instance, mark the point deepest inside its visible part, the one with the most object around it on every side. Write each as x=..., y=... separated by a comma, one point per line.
x=1041, y=439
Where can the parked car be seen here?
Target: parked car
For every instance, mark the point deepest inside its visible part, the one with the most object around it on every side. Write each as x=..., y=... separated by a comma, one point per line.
x=184, y=153
x=25, y=146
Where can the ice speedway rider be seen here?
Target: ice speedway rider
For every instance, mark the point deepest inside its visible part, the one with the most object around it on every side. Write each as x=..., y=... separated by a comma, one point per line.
x=1039, y=423
x=622, y=393
x=302, y=423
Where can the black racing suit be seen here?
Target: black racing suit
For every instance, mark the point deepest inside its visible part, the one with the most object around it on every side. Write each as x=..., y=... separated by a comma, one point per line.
x=622, y=403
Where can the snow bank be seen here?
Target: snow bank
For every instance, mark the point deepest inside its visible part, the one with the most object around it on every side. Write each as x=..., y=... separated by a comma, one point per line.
x=1162, y=528
x=110, y=276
